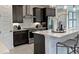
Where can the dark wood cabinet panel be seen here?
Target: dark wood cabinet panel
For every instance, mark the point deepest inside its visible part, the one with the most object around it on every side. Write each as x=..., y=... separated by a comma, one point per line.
x=50, y=12
x=20, y=37
x=42, y=13
x=39, y=44
x=17, y=13
x=37, y=12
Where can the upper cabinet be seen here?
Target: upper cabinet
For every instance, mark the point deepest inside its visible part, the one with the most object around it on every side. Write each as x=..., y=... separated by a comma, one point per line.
x=38, y=13
x=50, y=11
x=42, y=13
x=17, y=13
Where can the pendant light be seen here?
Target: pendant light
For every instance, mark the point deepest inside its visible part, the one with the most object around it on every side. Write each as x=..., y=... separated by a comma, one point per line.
x=74, y=9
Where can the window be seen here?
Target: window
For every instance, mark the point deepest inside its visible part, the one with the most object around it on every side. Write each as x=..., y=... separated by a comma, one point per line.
x=72, y=21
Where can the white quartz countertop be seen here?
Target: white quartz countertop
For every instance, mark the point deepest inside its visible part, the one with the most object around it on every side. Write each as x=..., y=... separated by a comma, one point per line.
x=50, y=33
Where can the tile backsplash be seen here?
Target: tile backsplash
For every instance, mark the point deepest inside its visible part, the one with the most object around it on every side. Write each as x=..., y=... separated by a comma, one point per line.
x=27, y=22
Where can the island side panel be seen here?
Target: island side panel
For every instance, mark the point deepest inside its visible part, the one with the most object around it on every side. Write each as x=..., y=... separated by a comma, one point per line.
x=39, y=44
x=50, y=45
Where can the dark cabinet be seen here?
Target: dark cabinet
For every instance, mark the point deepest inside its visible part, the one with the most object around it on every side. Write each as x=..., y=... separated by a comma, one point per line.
x=42, y=13
x=17, y=13
x=37, y=12
x=39, y=44
x=20, y=37
x=50, y=12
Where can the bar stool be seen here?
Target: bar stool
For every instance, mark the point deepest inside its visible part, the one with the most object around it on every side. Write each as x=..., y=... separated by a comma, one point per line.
x=69, y=44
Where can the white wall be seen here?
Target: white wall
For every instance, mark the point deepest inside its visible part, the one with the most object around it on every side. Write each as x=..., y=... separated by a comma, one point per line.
x=6, y=25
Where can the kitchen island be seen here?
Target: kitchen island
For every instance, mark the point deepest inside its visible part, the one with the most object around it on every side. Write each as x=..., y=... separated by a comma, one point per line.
x=45, y=41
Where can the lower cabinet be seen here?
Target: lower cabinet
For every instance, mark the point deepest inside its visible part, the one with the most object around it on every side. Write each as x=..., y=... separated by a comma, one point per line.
x=20, y=37
x=39, y=44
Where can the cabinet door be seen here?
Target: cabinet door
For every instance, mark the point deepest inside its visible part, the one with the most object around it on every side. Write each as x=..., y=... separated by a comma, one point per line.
x=50, y=12
x=39, y=44
x=20, y=37
x=37, y=12
x=17, y=14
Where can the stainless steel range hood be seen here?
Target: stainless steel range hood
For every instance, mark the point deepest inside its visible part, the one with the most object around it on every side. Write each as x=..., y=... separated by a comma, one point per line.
x=27, y=11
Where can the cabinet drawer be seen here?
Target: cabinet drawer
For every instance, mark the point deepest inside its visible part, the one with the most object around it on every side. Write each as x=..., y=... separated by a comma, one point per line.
x=20, y=37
